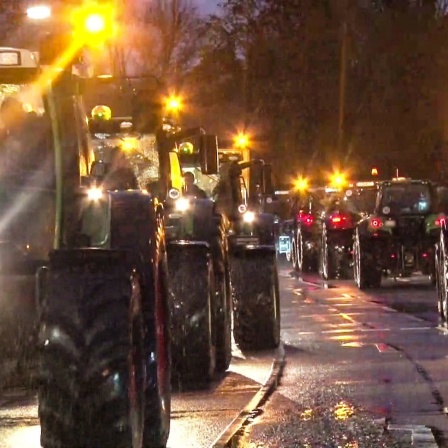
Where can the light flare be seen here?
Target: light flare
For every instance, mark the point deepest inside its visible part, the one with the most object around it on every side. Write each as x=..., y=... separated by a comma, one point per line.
x=249, y=217
x=241, y=140
x=301, y=184
x=182, y=204
x=38, y=12
x=94, y=194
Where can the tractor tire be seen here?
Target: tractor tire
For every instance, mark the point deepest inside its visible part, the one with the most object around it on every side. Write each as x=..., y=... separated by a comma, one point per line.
x=224, y=323
x=256, y=301
x=366, y=271
x=300, y=259
x=294, y=257
x=442, y=279
x=193, y=331
x=95, y=360
x=327, y=259
x=306, y=259
x=212, y=228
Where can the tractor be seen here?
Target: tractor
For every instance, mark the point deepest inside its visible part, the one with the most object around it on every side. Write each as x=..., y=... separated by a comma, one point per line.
x=197, y=262
x=244, y=197
x=99, y=259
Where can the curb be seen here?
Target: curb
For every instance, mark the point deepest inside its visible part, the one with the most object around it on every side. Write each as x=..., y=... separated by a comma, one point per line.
x=225, y=439
x=421, y=436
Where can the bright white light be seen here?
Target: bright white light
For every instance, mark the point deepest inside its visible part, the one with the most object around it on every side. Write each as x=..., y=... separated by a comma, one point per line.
x=242, y=208
x=249, y=217
x=39, y=12
x=182, y=205
x=95, y=194
x=95, y=23
x=26, y=436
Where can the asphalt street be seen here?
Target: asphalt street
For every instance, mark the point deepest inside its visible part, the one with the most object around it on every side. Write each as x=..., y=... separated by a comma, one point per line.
x=198, y=418
x=364, y=369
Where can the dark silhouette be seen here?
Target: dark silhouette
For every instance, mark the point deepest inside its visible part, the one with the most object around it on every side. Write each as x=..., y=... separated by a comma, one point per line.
x=121, y=176
x=191, y=189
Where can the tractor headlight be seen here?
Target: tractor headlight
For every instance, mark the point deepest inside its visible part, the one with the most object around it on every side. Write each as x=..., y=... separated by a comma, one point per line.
x=129, y=144
x=174, y=193
x=94, y=194
x=182, y=205
x=249, y=217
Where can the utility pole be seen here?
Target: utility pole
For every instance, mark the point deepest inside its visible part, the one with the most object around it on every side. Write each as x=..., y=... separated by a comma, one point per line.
x=342, y=81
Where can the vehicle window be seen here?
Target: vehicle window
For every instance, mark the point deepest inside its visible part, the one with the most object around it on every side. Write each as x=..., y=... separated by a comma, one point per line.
x=442, y=198
x=140, y=151
x=342, y=205
x=406, y=199
x=206, y=182
x=25, y=133
x=363, y=199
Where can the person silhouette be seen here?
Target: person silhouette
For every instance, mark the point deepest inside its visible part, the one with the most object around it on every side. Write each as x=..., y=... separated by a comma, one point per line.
x=191, y=189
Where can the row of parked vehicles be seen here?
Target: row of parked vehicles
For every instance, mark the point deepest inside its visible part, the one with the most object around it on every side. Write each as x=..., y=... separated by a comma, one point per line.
x=369, y=231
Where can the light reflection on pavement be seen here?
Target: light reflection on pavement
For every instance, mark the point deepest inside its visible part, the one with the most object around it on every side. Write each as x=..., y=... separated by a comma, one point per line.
x=355, y=360
x=197, y=417
x=26, y=436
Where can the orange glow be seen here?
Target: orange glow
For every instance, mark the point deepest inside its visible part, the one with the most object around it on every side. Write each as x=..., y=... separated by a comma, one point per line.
x=301, y=184
x=94, y=24
x=338, y=180
x=174, y=103
x=241, y=140
x=346, y=337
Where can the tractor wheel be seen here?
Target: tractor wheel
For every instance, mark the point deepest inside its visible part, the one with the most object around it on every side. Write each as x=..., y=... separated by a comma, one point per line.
x=224, y=323
x=328, y=259
x=95, y=362
x=299, y=253
x=442, y=282
x=256, y=301
x=307, y=261
x=294, y=259
x=366, y=272
x=193, y=319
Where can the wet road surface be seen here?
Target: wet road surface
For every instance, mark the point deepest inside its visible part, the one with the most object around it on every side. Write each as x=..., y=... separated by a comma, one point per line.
x=197, y=418
x=357, y=362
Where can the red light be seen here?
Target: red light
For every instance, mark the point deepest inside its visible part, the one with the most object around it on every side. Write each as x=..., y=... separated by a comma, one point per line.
x=440, y=221
x=341, y=221
x=308, y=219
x=425, y=255
x=376, y=223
